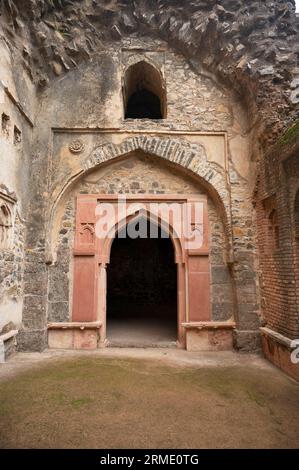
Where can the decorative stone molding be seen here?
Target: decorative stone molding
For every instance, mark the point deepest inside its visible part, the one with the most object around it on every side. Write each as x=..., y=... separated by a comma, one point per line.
x=211, y=325
x=191, y=157
x=187, y=156
x=279, y=338
x=7, y=216
x=278, y=348
x=76, y=146
x=89, y=287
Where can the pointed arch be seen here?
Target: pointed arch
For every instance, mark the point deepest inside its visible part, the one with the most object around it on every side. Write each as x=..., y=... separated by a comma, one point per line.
x=147, y=215
x=189, y=158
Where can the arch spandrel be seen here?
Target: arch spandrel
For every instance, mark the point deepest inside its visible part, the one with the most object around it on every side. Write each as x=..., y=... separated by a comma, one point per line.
x=189, y=158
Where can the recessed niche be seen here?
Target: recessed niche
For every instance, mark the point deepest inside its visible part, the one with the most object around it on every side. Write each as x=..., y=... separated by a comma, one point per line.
x=17, y=136
x=144, y=92
x=273, y=230
x=5, y=124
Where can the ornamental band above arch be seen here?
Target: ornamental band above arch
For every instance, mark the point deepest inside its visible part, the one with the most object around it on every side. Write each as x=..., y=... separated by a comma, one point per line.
x=190, y=157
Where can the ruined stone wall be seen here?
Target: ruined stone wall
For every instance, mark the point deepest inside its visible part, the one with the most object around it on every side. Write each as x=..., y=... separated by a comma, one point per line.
x=252, y=46
x=228, y=67
x=66, y=134
x=16, y=109
x=194, y=102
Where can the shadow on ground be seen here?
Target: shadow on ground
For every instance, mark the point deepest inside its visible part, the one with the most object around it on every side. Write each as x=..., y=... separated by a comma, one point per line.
x=131, y=403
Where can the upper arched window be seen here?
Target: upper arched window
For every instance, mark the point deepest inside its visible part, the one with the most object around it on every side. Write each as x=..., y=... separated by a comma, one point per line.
x=144, y=92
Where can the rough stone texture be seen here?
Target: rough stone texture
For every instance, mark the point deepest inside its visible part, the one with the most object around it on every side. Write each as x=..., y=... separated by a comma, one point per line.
x=246, y=341
x=11, y=266
x=252, y=47
x=32, y=340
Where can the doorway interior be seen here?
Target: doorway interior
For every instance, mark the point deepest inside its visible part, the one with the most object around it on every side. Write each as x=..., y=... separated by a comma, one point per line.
x=142, y=289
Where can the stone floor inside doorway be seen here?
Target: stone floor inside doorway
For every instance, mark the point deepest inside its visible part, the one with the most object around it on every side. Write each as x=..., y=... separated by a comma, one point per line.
x=132, y=332
x=146, y=398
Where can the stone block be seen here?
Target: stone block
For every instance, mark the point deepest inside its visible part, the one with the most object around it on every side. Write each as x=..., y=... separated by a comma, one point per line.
x=32, y=340
x=58, y=311
x=60, y=339
x=34, y=312
x=248, y=317
x=85, y=339
x=247, y=341
x=72, y=335
x=220, y=275
x=222, y=311
x=209, y=340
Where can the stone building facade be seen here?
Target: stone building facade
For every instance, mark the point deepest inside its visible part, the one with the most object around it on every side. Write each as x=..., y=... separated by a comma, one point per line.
x=226, y=79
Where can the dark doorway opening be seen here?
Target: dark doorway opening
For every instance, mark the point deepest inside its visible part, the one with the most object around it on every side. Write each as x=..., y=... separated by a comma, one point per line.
x=144, y=92
x=143, y=104
x=142, y=292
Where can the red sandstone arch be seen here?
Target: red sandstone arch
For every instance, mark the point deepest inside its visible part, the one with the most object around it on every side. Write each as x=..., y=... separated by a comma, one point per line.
x=177, y=242
x=92, y=256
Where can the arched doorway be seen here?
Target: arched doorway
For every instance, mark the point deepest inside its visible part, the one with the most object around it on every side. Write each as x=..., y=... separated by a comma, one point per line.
x=142, y=288
x=191, y=254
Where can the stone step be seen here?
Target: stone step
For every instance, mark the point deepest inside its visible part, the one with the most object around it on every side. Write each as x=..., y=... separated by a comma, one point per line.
x=141, y=344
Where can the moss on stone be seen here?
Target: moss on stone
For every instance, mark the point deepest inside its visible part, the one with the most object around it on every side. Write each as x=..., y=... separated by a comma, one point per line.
x=290, y=134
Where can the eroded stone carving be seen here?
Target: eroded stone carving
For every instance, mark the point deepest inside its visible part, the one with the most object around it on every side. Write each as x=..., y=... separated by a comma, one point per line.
x=6, y=221
x=76, y=146
x=87, y=233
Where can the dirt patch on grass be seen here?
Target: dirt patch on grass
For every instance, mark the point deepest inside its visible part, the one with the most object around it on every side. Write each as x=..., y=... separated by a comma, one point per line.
x=130, y=403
